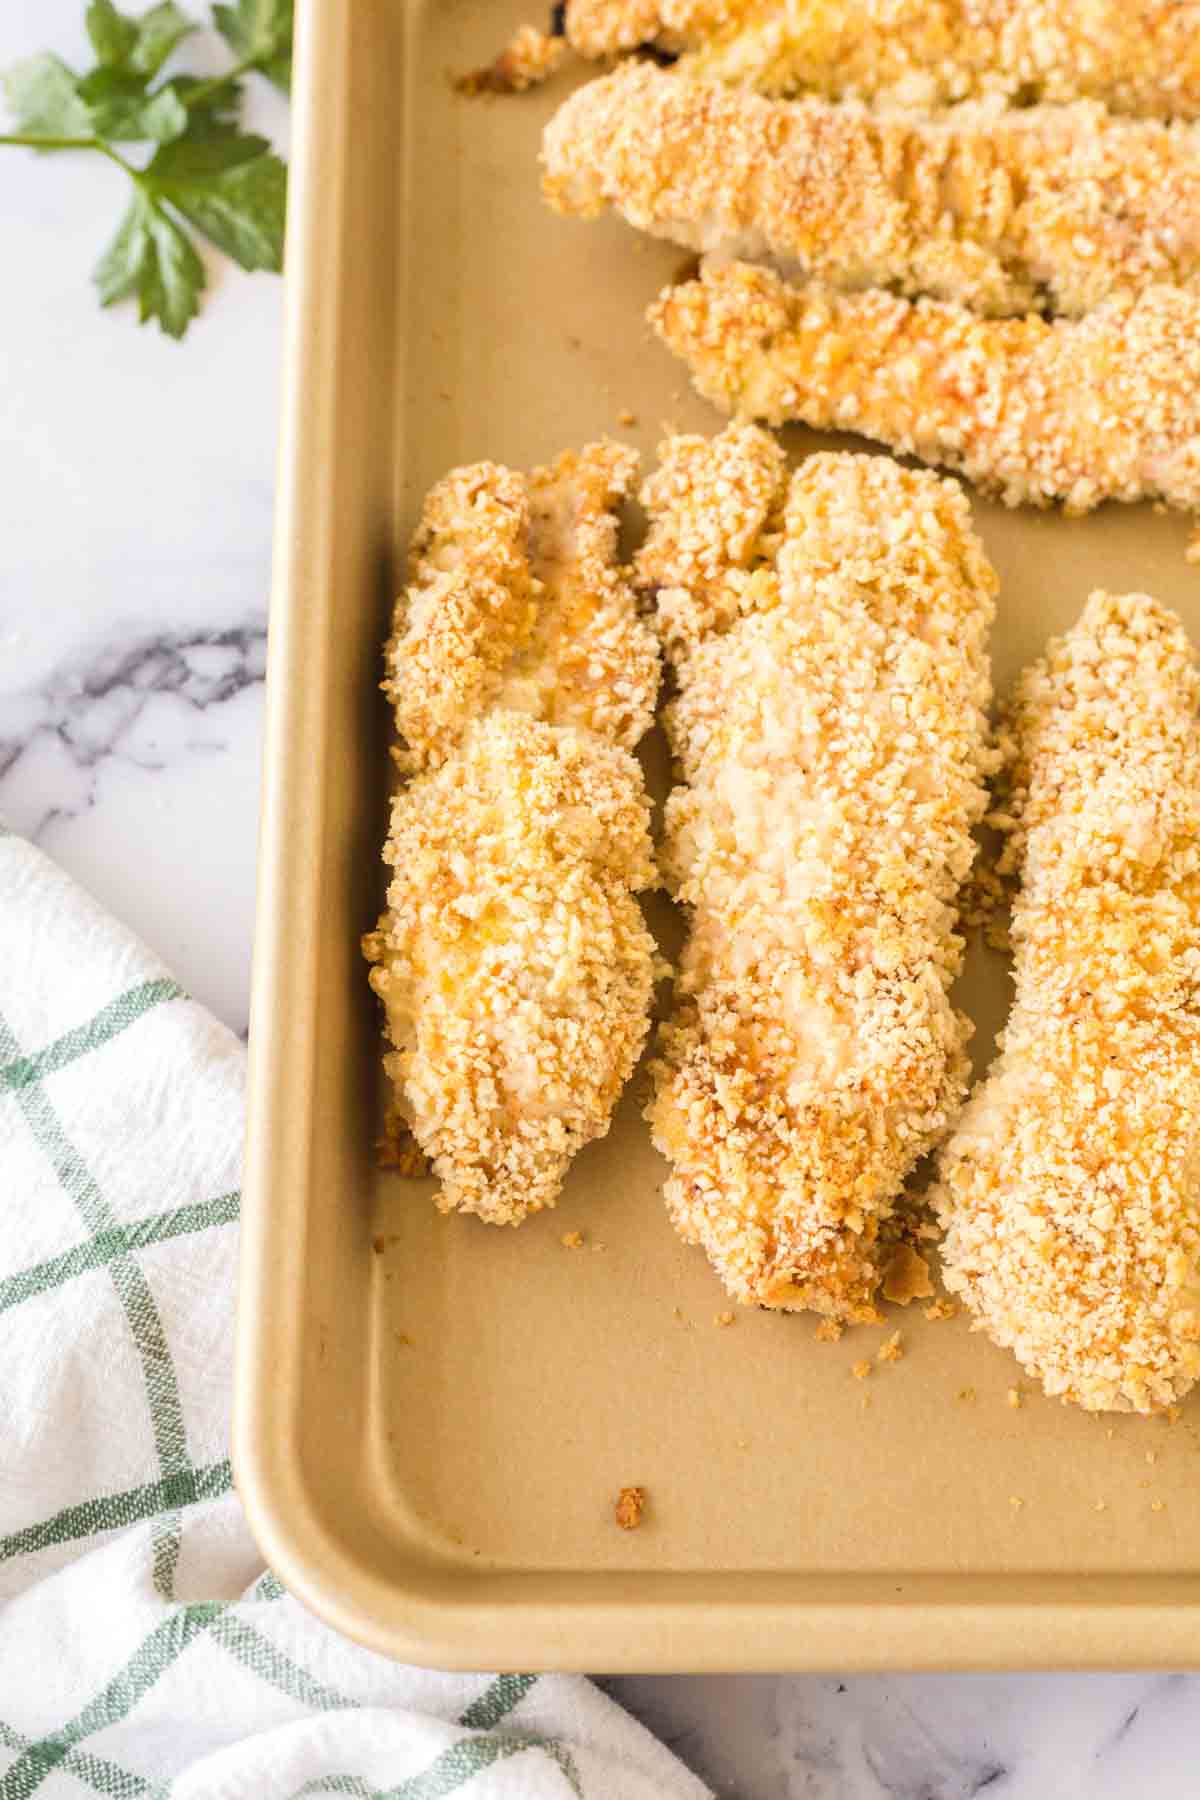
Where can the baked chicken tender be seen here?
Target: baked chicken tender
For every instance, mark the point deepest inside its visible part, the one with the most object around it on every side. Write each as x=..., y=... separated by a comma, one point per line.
x=1070, y=1189
x=1084, y=410
x=828, y=638
x=1136, y=56
x=1061, y=207
x=513, y=961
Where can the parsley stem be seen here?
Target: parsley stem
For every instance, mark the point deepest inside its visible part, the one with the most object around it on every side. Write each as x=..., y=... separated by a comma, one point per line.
x=49, y=143
x=205, y=90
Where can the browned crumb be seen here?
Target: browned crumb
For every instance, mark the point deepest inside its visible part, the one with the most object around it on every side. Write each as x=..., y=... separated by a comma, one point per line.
x=626, y=418
x=529, y=58
x=906, y=1276
x=1016, y=1502
x=860, y=1370
x=891, y=1350
x=966, y=1393
x=828, y=634
x=1022, y=407
x=378, y=1245
x=403, y=1339
x=941, y=1309
x=572, y=1240
x=865, y=1401
x=1005, y=212
x=1158, y=1506
x=725, y=1318
x=1013, y=1398
x=1137, y=56
x=829, y=1331
x=631, y=1503
x=1100, y=1506
x=599, y=1245
x=398, y=1149
x=1151, y=1456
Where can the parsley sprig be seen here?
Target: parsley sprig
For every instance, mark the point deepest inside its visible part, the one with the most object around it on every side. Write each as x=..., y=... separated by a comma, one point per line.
x=201, y=171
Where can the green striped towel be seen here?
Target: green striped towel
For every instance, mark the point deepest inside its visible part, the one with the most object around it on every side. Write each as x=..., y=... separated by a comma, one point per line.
x=144, y=1649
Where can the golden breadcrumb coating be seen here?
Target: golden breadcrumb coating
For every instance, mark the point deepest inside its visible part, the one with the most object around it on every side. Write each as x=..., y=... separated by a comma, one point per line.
x=1083, y=410
x=1060, y=207
x=1070, y=1190
x=828, y=638
x=513, y=961
x=1137, y=56
x=516, y=599
x=529, y=58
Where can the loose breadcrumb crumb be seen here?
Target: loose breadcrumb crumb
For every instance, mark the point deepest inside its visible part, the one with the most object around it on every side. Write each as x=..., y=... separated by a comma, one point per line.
x=725, y=1318
x=860, y=1370
x=529, y=58
x=1151, y=1456
x=1006, y=212
x=1016, y=1502
x=829, y=1331
x=966, y=1393
x=906, y=1276
x=572, y=1240
x=1013, y=1398
x=626, y=418
x=941, y=1309
x=631, y=1504
x=1100, y=1506
x=1158, y=1506
x=891, y=1350
x=378, y=1245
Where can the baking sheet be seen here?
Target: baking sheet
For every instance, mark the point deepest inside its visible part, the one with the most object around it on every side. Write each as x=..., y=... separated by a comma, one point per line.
x=434, y=1417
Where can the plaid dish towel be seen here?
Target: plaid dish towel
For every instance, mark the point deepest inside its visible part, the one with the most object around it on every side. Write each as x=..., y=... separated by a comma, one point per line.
x=144, y=1649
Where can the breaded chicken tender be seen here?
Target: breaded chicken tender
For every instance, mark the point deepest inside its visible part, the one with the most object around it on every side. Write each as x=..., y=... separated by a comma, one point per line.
x=1136, y=56
x=1101, y=408
x=513, y=962
x=828, y=637
x=1061, y=207
x=1070, y=1189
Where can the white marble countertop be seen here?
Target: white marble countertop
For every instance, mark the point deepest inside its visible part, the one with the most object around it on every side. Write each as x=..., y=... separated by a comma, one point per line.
x=137, y=484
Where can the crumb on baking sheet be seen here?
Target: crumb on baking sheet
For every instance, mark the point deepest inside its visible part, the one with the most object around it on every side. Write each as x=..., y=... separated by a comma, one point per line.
x=529, y=58
x=861, y=1370
x=1013, y=1398
x=572, y=1240
x=397, y=1149
x=626, y=417
x=631, y=1503
x=891, y=1350
x=829, y=1331
x=942, y=1309
x=1100, y=1506
x=1172, y=1415
x=403, y=1339
x=1016, y=1502
x=906, y=1276
x=1158, y=1506
x=1151, y=1456
x=966, y=1393
x=724, y=1318
x=378, y=1245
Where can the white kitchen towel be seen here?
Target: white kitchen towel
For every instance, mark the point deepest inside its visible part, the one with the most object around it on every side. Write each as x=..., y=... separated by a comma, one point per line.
x=144, y=1648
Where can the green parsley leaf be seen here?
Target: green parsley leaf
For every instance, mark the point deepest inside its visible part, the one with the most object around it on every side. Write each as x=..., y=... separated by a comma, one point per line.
x=151, y=259
x=232, y=189
x=260, y=31
x=139, y=45
x=215, y=114
x=124, y=113
x=42, y=99
x=113, y=35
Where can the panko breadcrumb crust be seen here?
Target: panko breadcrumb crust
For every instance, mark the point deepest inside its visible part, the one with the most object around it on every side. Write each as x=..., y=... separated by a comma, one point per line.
x=1060, y=207
x=1070, y=1189
x=1137, y=56
x=1082, y=410
x=828, y=637
x=529, y=58
x=513, y=961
